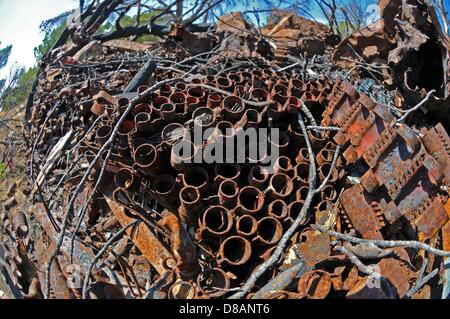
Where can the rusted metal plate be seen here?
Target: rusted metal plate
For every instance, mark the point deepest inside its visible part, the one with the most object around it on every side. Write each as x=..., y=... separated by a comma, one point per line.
x=360, y=214
x=145, y=240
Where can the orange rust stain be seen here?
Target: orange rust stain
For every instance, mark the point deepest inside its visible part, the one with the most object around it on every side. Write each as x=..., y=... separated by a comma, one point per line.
x=144, y=239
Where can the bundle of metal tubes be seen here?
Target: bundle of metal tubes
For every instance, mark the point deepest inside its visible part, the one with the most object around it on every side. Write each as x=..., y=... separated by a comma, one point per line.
x=238, y=211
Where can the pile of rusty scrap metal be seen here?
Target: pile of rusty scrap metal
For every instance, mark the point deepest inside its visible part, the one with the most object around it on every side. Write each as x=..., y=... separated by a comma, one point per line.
x=355, y=207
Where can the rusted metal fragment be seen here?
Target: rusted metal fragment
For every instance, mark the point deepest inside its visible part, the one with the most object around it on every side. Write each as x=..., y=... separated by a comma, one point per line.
x=315, y=248
x=360, y=213
x=145, y=240
x=59, y=289
x=437, y=144
x=232, y=22
x=282, y=20
x=315, y=284
x=344, y=278
x=371, y=43
x=429, y=217
x=182, y=246
x=397, y=273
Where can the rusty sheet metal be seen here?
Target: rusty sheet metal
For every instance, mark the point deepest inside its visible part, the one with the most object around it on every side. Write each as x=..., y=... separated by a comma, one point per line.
x=359, y=214
x=371, y=43
x=400, y=165
x=315, y=248
x=145, y=240
x=398, y=273
x=182, y=247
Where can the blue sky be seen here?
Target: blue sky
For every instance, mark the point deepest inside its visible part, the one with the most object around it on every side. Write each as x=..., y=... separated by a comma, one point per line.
x=20, y=20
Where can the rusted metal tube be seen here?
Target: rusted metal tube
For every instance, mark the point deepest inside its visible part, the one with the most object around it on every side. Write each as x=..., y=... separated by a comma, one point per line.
x=192, y=104
x=253, y=118
x=143, y=122
x=178, y=99
x=228, y=193
x=157, y=102
x=168, y=112
x=141, y=108
x=251, y=200
x=197, y=177
x=259, y=95
x=315, y=284
x=246, y=226
x=233, y=108
x=223, y=132
x=283, y=165
x=324, y=169
x=316, y=141
x=235, y=251
x=214, y=100
x=295, y=209
x=173, y=133
x=275, y=110
x=165, y=90
x=293, y=105
x=217, y=221
x=182, y=155
x=258, y=177
x=103, y=134
x=280, y=93
x=180, y=86
x=125, y=129
x=321, y=212
x=166, y=189
x=198, y=93
x=224, y=83
x=296, y=136
x=281, y=186
x=190, y=205
x=302, y=193
x=214, y=283
x=146, y=158
x=270, y=231
x=203, y=117
x=328, y=193
x=225, y=171
x=281, y=144
x=182, y=290
x=302, y=173
x=126, y=180
x=123, y=104
x=324, y=156
x=278, y=209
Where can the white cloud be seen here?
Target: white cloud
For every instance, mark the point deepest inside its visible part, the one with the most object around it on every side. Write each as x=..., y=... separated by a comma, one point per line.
x=19, y=26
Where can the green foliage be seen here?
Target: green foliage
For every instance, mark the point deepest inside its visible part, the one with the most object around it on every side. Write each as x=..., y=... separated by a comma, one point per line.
x=20, y=92
x=48, y=42
x=129, y=21
x=3, y=168
x=4, y=55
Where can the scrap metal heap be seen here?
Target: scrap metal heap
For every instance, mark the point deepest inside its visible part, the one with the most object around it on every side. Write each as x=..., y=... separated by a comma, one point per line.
x=120, y=216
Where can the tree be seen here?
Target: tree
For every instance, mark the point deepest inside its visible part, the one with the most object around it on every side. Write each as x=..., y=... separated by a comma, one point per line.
x=4, y=55
x=357, y=13
x=50, y=38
